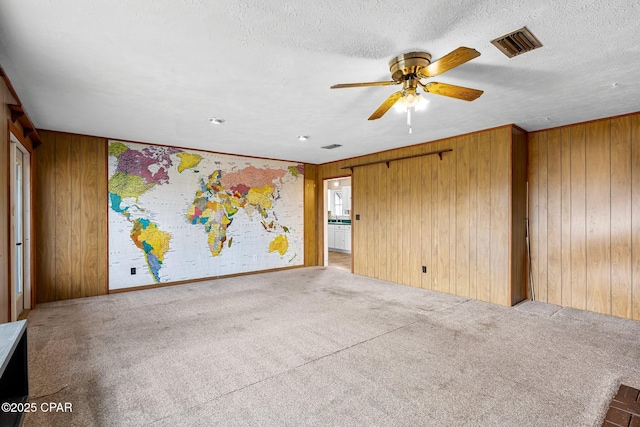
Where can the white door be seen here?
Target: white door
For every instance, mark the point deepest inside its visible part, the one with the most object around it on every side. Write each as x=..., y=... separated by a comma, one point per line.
x=20, y=230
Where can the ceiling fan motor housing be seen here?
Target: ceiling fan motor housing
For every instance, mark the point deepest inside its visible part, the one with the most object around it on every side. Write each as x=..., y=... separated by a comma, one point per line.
x=408, y=64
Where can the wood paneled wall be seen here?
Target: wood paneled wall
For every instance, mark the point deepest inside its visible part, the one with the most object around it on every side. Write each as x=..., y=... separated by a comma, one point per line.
x=310, y=217
x=585, y=215
x=461, y=217
x=70, y=228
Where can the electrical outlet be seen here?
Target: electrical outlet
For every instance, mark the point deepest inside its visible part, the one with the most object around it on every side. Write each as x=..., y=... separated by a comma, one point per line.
x=357, y=217
x=255, y=257
x=424, y=268
x=133, y=271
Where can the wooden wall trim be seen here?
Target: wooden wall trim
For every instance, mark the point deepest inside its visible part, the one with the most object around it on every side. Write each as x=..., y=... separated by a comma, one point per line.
x=201, y=279
x=17, y=132
x=417, y=146
x=394, y=159
x=18, y=113
x=533, y=132
x=201, y=150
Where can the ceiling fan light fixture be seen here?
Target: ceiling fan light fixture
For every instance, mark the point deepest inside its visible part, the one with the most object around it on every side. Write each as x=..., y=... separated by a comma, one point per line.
x=415, y=101
x=422, y=103
x=411, y=99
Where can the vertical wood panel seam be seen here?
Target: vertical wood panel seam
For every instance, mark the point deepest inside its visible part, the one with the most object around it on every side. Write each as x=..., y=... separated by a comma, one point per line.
x=474, y=243
x=455, y=221
x=586, y=222
x=561, y=223
x=490, y=216
x=468, y=179
x=546, y=231
x=54, y=280
x=632, y=311
x=610, y=239
x=610, y=221
x=539, y=231
x=632, y=308
x=570, y=215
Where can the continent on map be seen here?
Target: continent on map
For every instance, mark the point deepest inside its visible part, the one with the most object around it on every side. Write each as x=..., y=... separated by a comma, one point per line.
x=252, y=177
x=188, y=161
x=280, y=244
x=117, y=148
x=297, y=170
x=154, y=243
x=151, y=163
x=261, y=198
x=137, y=172
x=122, y=185
x=214, y=208
x=215, y=219
x=222, y=195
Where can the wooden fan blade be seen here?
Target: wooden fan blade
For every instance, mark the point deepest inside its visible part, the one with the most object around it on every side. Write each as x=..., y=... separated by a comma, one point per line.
x=343, y=85
x=384, y=107
x=452, y=91
x=449, y=61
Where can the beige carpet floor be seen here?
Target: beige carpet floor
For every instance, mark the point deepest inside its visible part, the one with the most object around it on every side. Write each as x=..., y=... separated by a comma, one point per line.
x=320, y=346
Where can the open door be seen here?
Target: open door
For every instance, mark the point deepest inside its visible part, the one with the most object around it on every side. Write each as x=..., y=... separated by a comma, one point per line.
x=337, y=223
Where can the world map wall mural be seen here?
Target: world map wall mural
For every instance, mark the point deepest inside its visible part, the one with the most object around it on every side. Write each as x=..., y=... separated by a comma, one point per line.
x=180, y=215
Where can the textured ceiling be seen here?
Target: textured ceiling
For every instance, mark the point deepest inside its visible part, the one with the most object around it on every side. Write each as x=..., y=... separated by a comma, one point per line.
x=157, y=70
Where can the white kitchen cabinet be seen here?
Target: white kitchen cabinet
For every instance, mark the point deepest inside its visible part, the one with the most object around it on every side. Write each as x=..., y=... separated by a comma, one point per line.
x=347, y=238
x=332, y=236
x=346, y=198
x=339, y=238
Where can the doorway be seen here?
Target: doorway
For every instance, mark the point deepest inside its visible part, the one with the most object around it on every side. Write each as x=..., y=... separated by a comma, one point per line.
x=20, y=236
x=337, y=223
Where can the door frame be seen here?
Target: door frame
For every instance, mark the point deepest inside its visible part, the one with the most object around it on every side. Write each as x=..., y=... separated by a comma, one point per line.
x=16, y=142
x=325, y=217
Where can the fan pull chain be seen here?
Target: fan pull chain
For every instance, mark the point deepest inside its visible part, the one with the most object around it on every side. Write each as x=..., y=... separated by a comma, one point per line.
x=409, y=118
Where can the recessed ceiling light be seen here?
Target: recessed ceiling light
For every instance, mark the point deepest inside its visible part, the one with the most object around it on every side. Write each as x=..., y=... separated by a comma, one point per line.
x=216, y=120
x=336, y=183
x=303, y=137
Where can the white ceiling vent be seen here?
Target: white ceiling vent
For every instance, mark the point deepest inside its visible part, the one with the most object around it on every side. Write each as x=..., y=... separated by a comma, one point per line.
x=331, y=147
x=517, y=42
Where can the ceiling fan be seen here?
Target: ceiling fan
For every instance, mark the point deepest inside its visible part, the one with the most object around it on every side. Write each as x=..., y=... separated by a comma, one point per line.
x=409, y=68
